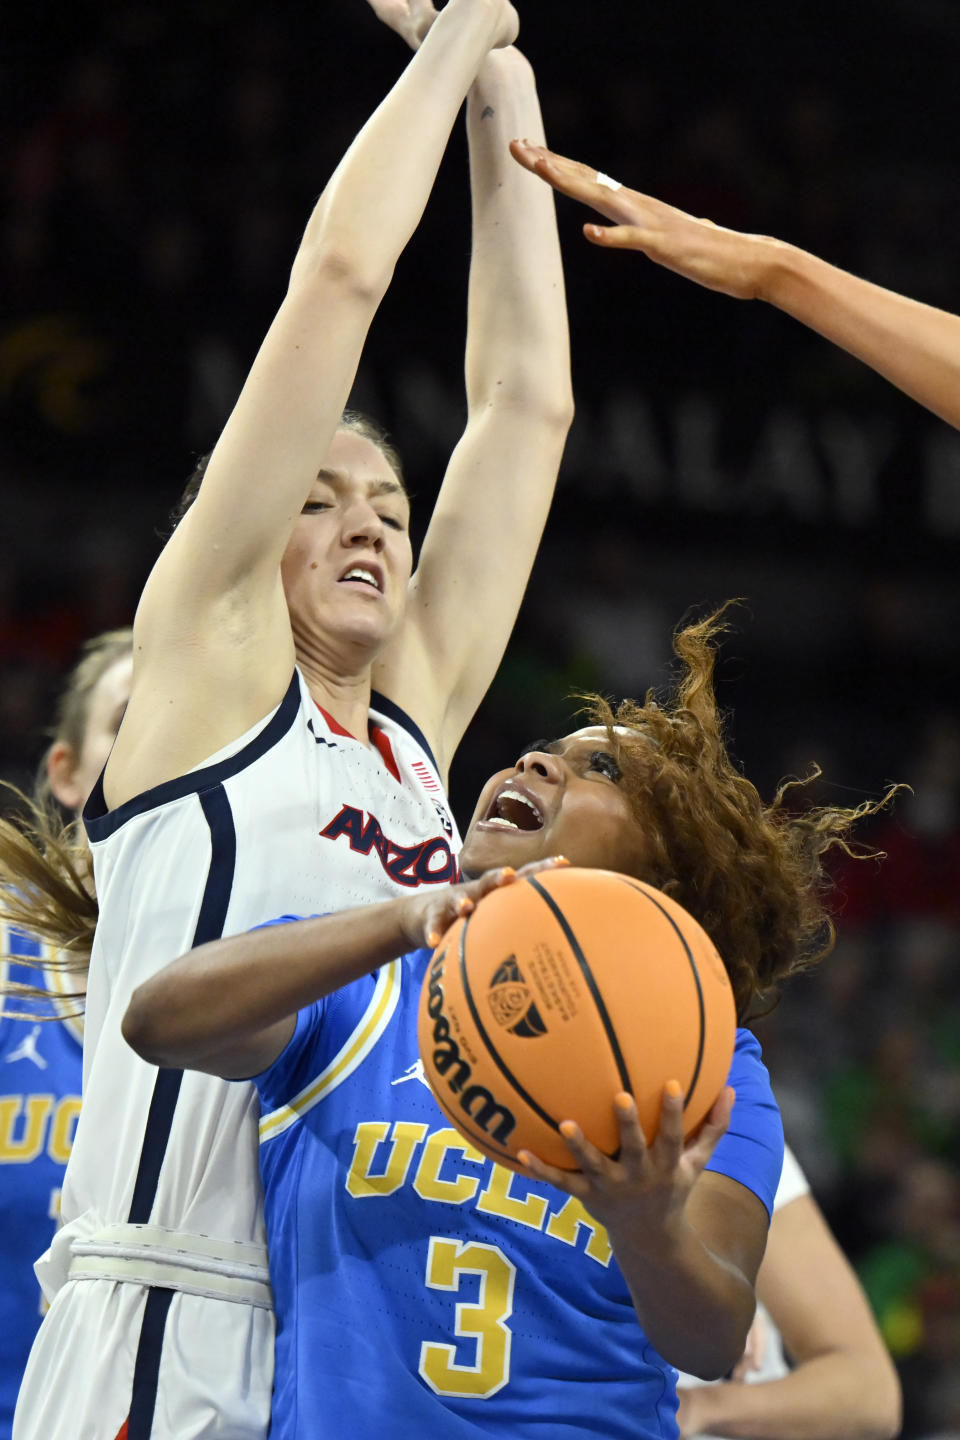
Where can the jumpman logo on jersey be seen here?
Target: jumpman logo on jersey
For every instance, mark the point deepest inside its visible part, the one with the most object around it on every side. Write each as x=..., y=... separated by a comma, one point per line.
x=412, y=1072
x=28, y=1050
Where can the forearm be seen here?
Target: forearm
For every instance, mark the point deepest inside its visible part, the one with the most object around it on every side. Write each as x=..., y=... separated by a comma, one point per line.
x=517, y=337
x=216, y=997
x=694, y=1306
x=839, y=1396
x=915, y=346
x=376, y=197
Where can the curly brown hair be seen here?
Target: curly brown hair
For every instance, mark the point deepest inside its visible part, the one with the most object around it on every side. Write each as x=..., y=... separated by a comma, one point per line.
x=751, y=873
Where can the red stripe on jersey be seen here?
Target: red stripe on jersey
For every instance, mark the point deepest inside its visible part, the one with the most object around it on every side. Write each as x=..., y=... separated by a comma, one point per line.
x=335, y=725
x=122, y=1432
x=423, y=775
x=382, y=741
x=379, y=738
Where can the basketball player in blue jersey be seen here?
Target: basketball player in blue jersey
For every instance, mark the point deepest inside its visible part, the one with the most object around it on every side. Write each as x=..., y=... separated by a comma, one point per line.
x=254, y=772
x=421, y=1289
x=40, y=1063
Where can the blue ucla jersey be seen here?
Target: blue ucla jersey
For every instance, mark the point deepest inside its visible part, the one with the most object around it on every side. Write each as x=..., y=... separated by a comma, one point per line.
x=40, y=1066
x=421, y=1289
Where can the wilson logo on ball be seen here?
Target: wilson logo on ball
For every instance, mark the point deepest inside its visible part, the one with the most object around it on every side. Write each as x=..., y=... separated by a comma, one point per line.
x=509, y=999
x=450, y=1065
x=622, y=989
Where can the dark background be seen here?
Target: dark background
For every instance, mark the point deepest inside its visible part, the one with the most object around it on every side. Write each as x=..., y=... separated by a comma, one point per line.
x=161, y=161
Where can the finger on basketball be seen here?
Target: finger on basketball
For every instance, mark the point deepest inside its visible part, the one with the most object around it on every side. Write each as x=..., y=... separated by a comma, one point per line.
x=714, y=1127
x=633, y=1142
x=669, y=1141
x=570, y=1181
x=473, y=891
x=552, y=862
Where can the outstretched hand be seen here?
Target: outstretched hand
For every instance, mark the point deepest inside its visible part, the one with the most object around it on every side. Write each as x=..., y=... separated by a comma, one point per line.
x=410, y=18
x=719, y=259
x=643, y=1191
x=430, y=916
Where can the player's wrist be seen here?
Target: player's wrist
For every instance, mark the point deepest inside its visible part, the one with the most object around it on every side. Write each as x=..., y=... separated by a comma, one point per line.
x=778, y=268
x=492, y=15
x=702, y=1407
x=502, y=67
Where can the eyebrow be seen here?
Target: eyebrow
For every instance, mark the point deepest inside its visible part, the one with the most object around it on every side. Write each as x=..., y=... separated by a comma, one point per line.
x=545, y=747
x=375, y=487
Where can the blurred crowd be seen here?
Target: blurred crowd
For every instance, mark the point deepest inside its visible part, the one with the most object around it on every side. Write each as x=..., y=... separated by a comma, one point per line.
x=160, y=163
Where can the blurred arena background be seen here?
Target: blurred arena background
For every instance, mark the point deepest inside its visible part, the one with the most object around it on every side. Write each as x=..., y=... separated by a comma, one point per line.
x=161, y=160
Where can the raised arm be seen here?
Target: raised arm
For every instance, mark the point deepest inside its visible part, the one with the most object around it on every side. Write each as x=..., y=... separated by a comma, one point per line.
x=213, y=612
x=915, y=346
x=486, y=526
x=843, y=1385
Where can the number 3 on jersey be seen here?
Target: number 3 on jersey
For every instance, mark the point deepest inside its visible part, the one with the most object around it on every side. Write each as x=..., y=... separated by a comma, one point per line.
x=484, y=1322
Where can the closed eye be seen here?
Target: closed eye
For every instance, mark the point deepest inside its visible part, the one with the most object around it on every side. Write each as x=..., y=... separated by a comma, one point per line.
x=606, y=764
x=313, y=507
x=393, y=522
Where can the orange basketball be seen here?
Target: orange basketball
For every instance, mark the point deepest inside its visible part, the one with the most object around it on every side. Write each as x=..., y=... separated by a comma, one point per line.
x=561, y=989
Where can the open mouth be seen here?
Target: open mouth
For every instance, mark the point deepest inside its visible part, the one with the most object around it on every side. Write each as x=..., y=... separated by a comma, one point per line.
x=363, y=575
x=513, y=811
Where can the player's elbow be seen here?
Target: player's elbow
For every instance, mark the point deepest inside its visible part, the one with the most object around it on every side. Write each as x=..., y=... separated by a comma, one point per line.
x=339, y=265
x=708, y=1352
x=143, y=1029
x=881, y=1402
x=530, y=395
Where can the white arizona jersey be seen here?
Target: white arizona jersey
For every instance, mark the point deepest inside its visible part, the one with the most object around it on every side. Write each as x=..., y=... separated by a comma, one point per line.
x=296, y=815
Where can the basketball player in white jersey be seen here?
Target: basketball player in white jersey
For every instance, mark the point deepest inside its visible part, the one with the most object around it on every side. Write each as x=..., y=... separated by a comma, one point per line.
x=840, y=1382
x=253, y=774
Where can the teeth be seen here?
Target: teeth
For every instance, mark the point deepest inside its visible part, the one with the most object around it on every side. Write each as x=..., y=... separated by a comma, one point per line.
x=515, y=795
x=499, y=820
x=358, y=574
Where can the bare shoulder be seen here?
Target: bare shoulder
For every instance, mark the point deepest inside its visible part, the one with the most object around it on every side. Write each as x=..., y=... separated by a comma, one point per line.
x=198, y=685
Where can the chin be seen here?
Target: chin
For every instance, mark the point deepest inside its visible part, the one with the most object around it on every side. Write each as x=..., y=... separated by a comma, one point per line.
x=489, y=852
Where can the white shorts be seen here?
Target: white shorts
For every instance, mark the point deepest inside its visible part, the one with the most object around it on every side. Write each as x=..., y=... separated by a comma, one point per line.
x=204, y=1369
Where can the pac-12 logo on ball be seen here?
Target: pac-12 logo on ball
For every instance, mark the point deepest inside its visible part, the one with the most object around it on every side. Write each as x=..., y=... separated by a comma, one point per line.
x=509, y=999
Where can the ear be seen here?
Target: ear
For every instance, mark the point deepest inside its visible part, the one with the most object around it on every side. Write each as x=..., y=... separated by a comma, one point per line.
x=62, y=773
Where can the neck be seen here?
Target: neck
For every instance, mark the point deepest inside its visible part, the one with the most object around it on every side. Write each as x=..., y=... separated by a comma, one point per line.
x=345, y=697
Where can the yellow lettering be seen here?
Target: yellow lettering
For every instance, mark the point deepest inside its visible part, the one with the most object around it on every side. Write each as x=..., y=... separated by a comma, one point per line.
x=565, y=1226
x=368, y=1135
x=497, y=1200
x=427, y=1181
x=30, y=1143
x=63, y=1129
x=484, y=1323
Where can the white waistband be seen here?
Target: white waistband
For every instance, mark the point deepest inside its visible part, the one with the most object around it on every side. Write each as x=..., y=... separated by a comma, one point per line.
x=175, y=1259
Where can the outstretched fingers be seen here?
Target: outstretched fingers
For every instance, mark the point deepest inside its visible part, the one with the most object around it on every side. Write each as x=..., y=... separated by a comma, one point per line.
x=709, y=254
x=572, y=178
